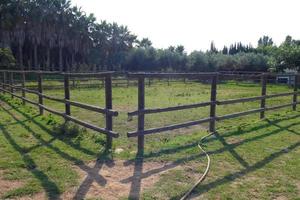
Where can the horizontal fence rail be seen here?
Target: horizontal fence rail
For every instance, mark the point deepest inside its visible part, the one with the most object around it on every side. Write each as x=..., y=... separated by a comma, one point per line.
x=7, y=86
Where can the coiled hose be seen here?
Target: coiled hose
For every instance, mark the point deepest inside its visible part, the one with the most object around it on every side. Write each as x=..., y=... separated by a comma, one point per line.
x=186, y=195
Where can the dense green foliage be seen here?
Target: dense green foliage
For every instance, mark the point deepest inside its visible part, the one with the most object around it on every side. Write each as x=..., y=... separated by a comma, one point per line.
x=53, y=35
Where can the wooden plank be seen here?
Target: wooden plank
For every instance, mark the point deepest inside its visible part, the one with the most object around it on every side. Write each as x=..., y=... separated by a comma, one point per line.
x=72, y=103
x=213, y=99
x=171, y=75
x=20, y=97
x=263, y=93
x=108, y=106
x=282, y=106
x=239, y=114
x=82, y=123
x=102, y=74
x=168, y=128
x=281, y=94
x=241, y=100
x=92, y=108
x=168, y=109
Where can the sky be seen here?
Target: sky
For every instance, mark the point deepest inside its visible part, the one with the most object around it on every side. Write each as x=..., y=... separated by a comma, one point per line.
x=196, y=23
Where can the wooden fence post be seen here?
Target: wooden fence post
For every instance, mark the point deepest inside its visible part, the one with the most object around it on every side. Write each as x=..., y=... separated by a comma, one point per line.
x=108, y=106
x=295, y=90
x=213, y=99
x=263, y=93
x=67, y=94
x=4, y=81
x=23, y=87
x=40, y=90
x=11, y=82
x=141, y=117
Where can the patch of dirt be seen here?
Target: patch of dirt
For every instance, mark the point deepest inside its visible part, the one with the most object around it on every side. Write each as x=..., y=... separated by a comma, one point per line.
x=7, y=185
x=234, y=140
x=281, y=198
x=116, y=179
x=298, y=187
x=38, y=196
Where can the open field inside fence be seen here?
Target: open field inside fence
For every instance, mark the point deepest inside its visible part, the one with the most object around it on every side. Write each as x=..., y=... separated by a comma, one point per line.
x=160, y=93
x=248, y=154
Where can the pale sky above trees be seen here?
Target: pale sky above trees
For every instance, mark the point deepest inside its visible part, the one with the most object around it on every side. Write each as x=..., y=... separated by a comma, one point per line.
x=195, y=23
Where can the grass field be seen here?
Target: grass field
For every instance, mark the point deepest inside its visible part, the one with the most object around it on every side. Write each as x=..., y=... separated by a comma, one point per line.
x=251, y=159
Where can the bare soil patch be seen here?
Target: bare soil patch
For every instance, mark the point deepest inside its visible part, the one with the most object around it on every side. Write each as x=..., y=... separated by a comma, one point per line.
x=7, y=185
x=116, y=179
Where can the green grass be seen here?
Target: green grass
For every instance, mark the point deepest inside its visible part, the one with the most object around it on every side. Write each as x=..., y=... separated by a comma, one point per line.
x=250, y=158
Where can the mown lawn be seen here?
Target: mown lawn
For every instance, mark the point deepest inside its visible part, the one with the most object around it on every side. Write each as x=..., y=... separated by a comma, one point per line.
x=251, y=159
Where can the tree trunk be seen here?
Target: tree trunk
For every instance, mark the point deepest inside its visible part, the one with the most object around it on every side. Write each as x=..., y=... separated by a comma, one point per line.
x=60, y=60
x=36, y=65
x=72, y=61
x=21, y=56
x=48, y=59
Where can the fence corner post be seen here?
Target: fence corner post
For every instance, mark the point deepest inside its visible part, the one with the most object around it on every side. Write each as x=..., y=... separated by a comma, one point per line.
x=295, y=92
x=108, y=106
x=263, y=94
x=40, y=90
x=141, y=117
x=213, y=99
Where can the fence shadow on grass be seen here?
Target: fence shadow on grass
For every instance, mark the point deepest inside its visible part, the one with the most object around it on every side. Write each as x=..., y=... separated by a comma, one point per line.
x=138, y=174
x=50, y=187
x=138, y=162
x=233, y=176
x=44, y=128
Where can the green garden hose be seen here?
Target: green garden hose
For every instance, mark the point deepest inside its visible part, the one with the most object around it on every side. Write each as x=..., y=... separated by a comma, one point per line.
x=201, y=179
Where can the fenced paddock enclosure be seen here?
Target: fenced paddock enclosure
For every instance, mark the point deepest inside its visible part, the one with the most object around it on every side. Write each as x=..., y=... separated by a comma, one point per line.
x=39, y=81
x=248, y=154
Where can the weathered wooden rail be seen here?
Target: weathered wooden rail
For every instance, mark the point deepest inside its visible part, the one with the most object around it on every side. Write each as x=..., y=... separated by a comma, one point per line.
x=7, y=86
x=213, y=103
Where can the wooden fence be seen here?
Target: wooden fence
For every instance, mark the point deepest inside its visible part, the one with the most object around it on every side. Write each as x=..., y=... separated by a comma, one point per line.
x=213, y=103
x=7, y=86
x=143, y=79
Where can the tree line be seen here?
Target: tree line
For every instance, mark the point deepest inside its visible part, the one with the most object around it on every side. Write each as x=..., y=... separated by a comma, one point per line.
x=54, y=35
